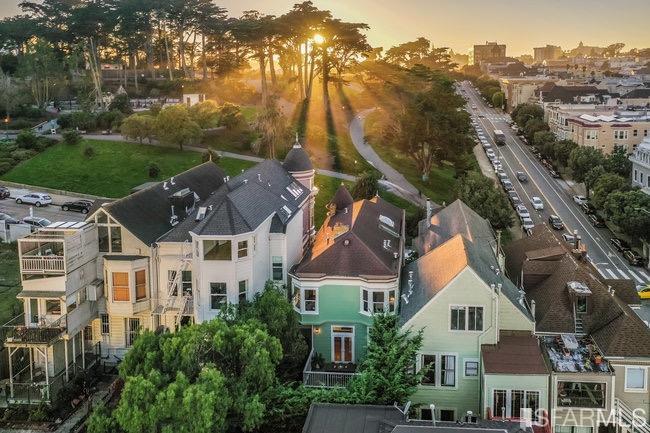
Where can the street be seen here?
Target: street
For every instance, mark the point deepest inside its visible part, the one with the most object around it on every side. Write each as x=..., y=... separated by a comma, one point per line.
x=555, y=193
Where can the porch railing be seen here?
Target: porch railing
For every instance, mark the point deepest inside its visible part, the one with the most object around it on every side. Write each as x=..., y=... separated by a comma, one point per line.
x=634, y=419
x=324, y=379
x=15, y=331
x=43, y=264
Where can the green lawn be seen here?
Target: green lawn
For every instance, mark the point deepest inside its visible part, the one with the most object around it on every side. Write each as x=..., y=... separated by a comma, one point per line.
x=9, y=282
x=115, y=168
x=442, y=181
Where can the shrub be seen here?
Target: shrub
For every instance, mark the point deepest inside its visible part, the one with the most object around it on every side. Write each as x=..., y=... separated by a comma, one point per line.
x=22, y=154
x=121, y=103
x=82, y=120
x=26, y=139
x=21, y=124
x=89, y=152
x=153, y=170
x=39, y=413
x=5, y=167
x=71, y=137
x=45, y=142
x=110, y=119
x=28, y=111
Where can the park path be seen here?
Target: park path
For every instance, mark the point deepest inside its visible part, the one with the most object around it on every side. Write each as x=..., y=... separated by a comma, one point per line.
x=394, y=180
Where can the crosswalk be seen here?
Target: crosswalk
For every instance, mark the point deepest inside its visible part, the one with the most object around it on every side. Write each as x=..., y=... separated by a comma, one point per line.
x=640, y=276
x=496, y=118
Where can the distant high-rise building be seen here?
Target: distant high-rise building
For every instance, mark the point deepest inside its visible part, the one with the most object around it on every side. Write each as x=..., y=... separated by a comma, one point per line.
x=549, y=52
x=490, y=50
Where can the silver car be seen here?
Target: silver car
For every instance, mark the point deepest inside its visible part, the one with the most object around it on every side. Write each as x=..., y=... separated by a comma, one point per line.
x=38, y=199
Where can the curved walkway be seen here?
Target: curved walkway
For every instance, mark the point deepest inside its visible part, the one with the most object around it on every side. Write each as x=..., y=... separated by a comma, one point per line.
x=394, y=180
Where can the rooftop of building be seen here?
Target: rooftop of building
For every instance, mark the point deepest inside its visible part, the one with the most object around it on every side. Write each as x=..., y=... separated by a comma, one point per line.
x=568, y=353
x=347, y=418
x=360, y=238
x=517, y=353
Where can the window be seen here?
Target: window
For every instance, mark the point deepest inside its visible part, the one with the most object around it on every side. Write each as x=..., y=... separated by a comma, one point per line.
x=33, y=310
x=277, y=268
x=499, y=403
x=377, y=301
x=635, y=378
x=140, y=284
x=448, y=370
x=186, y=282
x=466, y=318
x=218, y=295
x=635, y=133
x=620, y=135
x=592, y=135
x=572, y=429
x=53, y=307
x=581, y=304
x=217, y=250
x=131, y=328
x=105, y=324
x=425, y=414
x=243, y=291
x=471, y=368
x=116, y=239
x=109, y=234
x=120, y=286
x=581, y=394
x=242, y=249
x=448, y=415
x=102, y=231
x=310, y=300
x=429, y=361
x=515, y=403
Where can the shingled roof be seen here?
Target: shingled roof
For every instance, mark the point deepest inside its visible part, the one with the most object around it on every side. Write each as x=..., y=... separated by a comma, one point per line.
x=146, y=213
x=363, y=239
x=453, y=239
x=544, y=275
x=567, y=94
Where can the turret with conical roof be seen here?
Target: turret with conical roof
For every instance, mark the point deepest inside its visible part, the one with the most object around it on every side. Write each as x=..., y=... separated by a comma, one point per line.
x=298, y=164
x=342, y=199
x=297, y=160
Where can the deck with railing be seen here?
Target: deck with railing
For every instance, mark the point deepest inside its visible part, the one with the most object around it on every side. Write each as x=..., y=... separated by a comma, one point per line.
x=15, y=331
x=323, y=378
x=43, y=264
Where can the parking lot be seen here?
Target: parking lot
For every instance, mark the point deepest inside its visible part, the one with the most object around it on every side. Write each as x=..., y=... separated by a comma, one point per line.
x=52, y=212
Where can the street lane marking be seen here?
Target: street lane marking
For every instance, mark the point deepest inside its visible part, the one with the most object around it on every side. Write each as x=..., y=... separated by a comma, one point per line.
x=636, y=276
x=620, y=271
x=610, y=272
x=646, y=276
x=601, y=272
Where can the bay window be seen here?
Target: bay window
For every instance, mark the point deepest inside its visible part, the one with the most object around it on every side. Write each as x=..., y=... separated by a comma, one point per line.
x=120, y=286
x=140, y=284
x=306, y=301
x=377, y=301
x=217, y=250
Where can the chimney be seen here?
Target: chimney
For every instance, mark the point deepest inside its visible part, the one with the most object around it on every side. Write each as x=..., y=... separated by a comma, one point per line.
x=429, y=211
x=532, y=308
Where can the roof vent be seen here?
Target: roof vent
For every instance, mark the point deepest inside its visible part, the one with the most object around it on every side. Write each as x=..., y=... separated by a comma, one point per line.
x=405, y=298
x=165, y=187
x=346, y=242
x=173, y=220
x=259, y=177
x=386, y=244
x=395, y=255
x=389, y=222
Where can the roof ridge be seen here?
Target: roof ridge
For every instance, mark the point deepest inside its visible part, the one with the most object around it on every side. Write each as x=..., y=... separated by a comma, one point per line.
x=371, y=250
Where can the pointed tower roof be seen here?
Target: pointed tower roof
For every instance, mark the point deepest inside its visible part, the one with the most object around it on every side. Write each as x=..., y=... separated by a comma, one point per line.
x=297, y=159
x=342, y=198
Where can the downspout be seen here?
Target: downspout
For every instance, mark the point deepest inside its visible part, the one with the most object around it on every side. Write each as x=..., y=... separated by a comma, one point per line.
x=495, y=316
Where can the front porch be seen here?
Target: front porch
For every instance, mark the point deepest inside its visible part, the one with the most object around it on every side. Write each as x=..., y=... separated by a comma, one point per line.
x=327, y=375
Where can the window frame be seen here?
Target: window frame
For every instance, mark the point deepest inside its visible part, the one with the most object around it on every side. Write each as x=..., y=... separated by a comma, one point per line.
x=214, y=296
x=243, y=249
x=240, y=292
x=303, y=300
x=121, y=287
x=645, y=378
x=438, y=370
x=277, y=265
x=104, y=327
x=143, y=285
x=113, y=232
x=367, y=301
x=465, y=322
x=218, y=243
x=478, y=368
x=131, y=334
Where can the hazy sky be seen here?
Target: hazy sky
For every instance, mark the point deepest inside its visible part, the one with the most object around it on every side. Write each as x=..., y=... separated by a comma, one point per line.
x=521, y=24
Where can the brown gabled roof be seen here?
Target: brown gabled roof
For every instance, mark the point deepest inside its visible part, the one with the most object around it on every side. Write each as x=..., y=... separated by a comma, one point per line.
x=357, y=241
x=514, y=354
x=536, y=263
x=625, y=290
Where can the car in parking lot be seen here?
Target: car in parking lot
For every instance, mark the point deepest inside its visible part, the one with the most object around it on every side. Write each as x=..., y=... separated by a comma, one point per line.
x=620, y=244
x=596, y=221
x=82, y=206
x=556, y=222
x=38, y=199
x=579, y=199
x=4, y=192
x=633, y=258
x=537, y=203
x=522, y=176
x=522, y=211
x=36, y=222
x=527, y=224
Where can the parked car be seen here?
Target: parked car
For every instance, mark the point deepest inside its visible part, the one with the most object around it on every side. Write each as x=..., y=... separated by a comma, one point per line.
x=587, y=208
x=633, y=258
x=36, y=222
x=527, y=224
x=555, y=174
x=515, y=200
x=4, y=192
x=38, y=199
x=507, y=185
x=82, y=206
x=522, y=176
x=522, y=211
x=501, y=175
x=569, y=238
x=620, y=244
x=8, y=219
x=498, y=166
x=556, y=222
x=537, y=203
x=596, y=221
x=579, y=199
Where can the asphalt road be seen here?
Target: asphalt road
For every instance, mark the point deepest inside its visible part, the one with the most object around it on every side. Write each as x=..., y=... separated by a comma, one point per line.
x=555, y=193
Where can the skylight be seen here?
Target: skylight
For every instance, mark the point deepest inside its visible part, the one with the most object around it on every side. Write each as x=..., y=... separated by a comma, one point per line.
x=294, y=189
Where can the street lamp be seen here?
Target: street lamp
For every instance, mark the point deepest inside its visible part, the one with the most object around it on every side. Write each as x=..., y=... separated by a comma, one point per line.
x=7, y=127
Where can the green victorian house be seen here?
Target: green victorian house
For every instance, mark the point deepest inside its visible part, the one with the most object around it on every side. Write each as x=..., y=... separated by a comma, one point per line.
x=351, y=271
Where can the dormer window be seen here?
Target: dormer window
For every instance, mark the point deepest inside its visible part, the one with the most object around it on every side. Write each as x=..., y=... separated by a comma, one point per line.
x=581, y=304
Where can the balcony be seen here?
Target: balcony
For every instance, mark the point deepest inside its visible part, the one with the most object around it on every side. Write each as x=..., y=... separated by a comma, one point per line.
x=15, y=331
x=43, y=264
x=330, y=376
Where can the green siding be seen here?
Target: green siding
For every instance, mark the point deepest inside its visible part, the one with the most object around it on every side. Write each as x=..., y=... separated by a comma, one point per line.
x=516, y=382
x=322, y=342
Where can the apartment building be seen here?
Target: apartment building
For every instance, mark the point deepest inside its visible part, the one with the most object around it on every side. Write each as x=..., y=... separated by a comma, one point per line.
x=549, y=52
x=174, y=252
x=351, y=272
x=606, y=132
x=641, y=165
x=595, y=346
x=489, y=50
x=521, y=90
